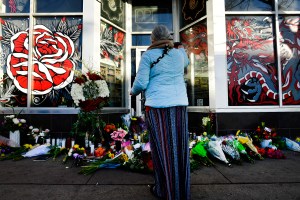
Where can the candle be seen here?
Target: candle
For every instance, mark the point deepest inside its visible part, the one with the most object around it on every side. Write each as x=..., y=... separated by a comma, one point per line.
x=63, y=143
x=92, y=149
x=72, y=143
x=53, y=141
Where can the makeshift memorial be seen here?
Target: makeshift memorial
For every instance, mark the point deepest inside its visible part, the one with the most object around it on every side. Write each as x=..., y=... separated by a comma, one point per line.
x=15, y=126
x=292, y=145
x=241, y=149
x=104, y=162
x=37, y=150
x=233, y=155
x=199, y=153
x=215, y=149
x=76, y=153
x=90, y=93
x=39, y=135
x=13, y=153
x=244, y=139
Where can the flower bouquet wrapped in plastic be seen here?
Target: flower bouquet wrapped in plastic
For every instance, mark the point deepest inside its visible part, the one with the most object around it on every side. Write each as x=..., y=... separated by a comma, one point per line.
x=215, y=149
x=199, y=153
x=292, y=145
x=241, y=149
x=230, y=151
x=244, y=139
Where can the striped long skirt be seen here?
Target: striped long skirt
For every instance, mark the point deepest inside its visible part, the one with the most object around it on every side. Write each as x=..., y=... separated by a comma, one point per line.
x=169, y=142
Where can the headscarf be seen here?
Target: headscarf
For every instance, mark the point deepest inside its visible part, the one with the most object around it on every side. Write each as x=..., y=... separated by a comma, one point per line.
x=161, y=38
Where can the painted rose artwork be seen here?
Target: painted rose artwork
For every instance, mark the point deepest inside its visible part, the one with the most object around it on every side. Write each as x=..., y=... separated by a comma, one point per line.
x=54, y=59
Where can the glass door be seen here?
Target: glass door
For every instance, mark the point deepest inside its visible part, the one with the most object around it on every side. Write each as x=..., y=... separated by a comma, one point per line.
x=137, y=102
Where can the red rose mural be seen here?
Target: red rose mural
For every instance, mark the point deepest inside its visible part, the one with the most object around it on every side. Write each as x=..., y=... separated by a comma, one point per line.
x=52, y=63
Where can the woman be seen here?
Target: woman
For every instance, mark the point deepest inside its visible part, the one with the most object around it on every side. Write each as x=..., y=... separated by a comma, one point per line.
x=161, y=76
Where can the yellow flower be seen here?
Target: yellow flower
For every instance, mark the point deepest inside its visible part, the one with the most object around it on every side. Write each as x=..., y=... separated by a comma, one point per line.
x=205, y=134
x=82, y=149
x=124, y=157
x=76, y=146
x=28, y=146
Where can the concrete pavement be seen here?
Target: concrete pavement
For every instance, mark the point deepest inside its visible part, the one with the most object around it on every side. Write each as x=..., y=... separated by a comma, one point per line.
x=268, y=179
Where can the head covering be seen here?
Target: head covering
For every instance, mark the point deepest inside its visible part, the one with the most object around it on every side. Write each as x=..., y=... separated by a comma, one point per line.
x=161, y=32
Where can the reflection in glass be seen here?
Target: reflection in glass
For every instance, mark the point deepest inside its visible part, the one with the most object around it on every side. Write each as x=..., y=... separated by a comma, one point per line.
x=13, y=61
x=251, y=67
x=288, y=5
x=112, y=63
x=248, y=5
x=15, y=6
x=141, y=40
x=56, y=54
x=146, y=14
x=289, y=59
x=194, y=40
x=191, y=11
x=43, y=6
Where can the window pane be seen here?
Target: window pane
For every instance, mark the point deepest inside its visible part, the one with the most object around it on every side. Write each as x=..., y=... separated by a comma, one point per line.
x=16, y=6
x=112, y=63
x=248, y=5
x=191, y=11
x=141, y=40
x=56, y=54
x=147, y=14
x=289, y=58
x=251, y=69
x=114, y=11
x=43, y=6
x=195, y=41
x=13, y=61
x=289, y=5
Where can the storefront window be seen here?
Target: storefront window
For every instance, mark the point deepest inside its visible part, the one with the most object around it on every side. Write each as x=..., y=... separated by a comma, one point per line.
x=43, y=6
x=195, y=42
x=288, y=5
x=114, y=11
x=191, y=11
x=112, y=62
x=14, y=61
x=249, y=5
x=141, y=40
x=147, y=14
x=289, y=59
x=56, y=54
x=251, y=66
x=16, y=6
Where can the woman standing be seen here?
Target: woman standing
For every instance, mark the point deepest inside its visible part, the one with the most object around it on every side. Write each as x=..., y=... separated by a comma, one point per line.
x=161, y=76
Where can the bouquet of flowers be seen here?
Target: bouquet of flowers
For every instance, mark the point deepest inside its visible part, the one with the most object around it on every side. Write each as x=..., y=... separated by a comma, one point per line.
x=77, y=153
x=89, y=91
x=13, y=123
x=39, y=135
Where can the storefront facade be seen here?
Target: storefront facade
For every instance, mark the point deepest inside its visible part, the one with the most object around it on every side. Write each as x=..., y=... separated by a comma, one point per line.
x=244, y=57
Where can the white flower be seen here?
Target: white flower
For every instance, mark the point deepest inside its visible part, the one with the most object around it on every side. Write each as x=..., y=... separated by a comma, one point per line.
x=35, y=130
x=77, y=93
x=15, y=121
x=23, y=121
x=103, y=88
x=46, y=130
x=9, y=116
x=30, y=127
x=205, y=120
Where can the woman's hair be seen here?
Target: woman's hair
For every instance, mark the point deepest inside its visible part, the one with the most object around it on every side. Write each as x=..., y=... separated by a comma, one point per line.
x=161, y=32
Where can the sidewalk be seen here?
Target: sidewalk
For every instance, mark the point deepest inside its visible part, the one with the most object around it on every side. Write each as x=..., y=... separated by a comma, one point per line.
x=268, y=179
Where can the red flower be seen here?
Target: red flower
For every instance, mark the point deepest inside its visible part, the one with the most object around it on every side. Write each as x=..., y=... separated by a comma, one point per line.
x=91, y=104
x=80, y=80
x=94, y=77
